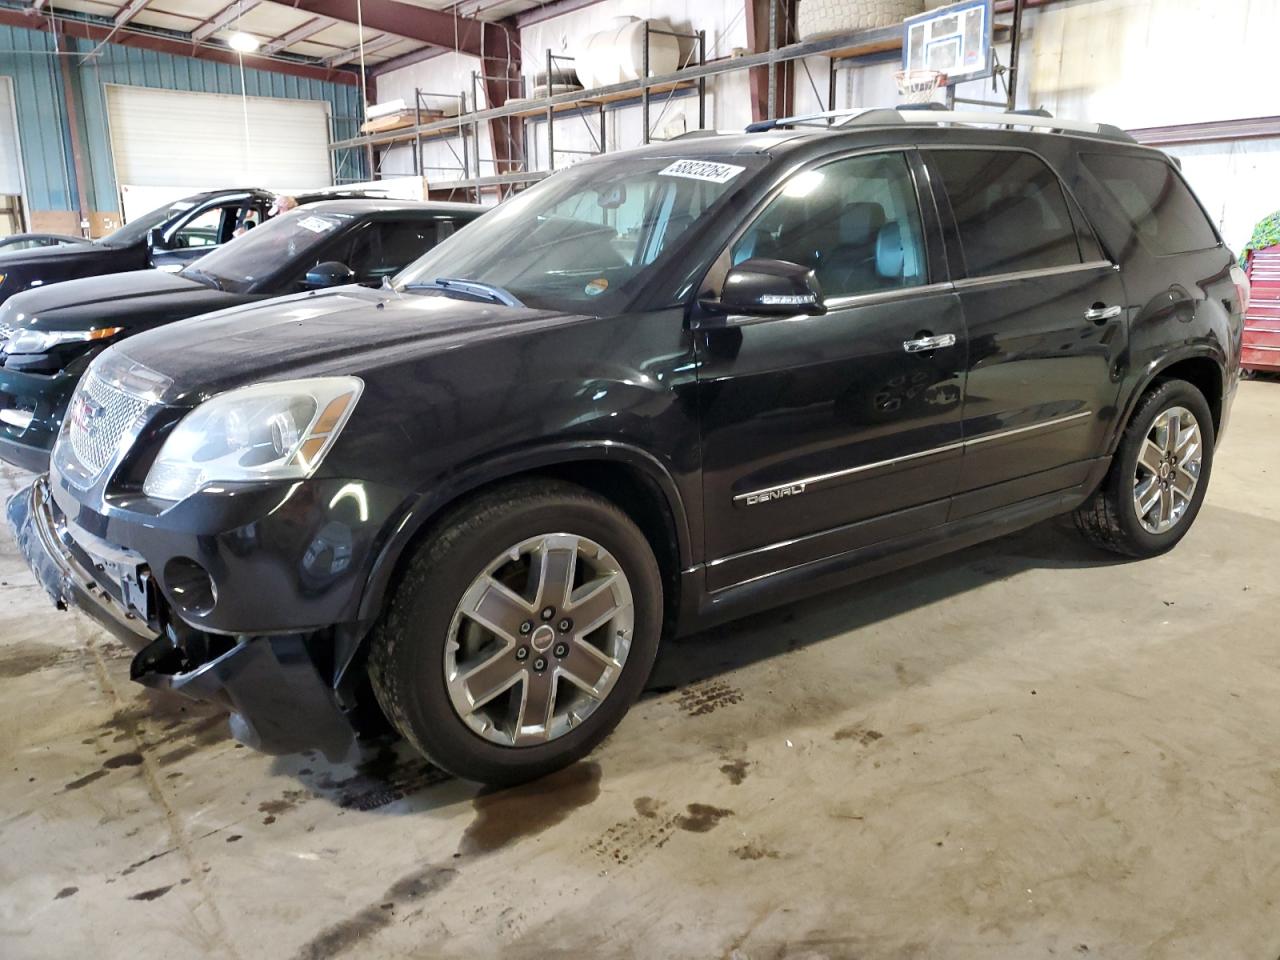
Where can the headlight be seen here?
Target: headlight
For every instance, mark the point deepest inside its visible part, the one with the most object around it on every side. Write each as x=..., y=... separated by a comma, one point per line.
x=270, y=431
x=41, y=341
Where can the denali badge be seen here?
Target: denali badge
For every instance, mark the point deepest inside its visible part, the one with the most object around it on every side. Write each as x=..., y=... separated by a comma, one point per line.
x=777, y=493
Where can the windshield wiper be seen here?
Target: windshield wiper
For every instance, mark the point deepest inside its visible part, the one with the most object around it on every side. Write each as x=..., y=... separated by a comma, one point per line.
x=476, y=289
x=196, y=274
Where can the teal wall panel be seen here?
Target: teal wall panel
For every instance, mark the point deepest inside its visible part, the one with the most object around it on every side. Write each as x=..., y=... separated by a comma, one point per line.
x=29, y=57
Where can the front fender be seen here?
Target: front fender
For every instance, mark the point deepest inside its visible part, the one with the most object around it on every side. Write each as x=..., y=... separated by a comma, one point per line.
x=419, y=510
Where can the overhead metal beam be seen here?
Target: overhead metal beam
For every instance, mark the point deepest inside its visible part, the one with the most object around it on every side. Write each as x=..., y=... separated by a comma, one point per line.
x=129, y=11
x=296, y=35
x=223, y=17
x=126, y=37
x=414, y=23
x=1249, y=128
x=554, y=8
x=353, y=53
x=406, y=60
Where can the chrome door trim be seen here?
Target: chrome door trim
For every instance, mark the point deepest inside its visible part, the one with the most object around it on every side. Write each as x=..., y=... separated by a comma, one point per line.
x=801, y=486
x=1047, y=424
x=886, y=296
x=797, y=487
x=968, y=283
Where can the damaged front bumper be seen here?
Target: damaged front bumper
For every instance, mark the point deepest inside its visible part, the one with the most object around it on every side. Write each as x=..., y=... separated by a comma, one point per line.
x=278, y=700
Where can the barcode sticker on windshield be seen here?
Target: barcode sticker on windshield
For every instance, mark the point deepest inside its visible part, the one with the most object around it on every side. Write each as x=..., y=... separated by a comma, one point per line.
x=316, y=224
x=702, y=170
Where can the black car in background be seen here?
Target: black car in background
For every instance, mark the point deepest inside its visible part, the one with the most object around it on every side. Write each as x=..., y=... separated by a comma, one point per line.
x=49, y=335
x=167, y=238
x=662, y=388
x=36, y=241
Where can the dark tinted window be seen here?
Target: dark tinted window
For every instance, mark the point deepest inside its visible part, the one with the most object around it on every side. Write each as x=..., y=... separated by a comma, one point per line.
x=1010, y=211
x=855, y=222
x=1156, y=202
x=385, y=248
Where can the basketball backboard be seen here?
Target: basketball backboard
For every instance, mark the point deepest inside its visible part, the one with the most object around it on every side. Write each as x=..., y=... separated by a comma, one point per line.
x=955, y=39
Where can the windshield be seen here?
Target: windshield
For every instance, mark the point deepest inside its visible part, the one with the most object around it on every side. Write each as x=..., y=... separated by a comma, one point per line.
x=242, y=263
x=137, y=230
x=587, y=239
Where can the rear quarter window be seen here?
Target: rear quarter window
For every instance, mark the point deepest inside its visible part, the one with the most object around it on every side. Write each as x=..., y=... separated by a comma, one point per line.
x=1152, y=197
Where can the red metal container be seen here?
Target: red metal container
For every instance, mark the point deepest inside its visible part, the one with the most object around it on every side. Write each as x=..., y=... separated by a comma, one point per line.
x=1262, y=318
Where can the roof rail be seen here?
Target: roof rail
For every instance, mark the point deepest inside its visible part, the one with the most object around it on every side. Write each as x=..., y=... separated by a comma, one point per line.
x=848, y=114
x=865, y=116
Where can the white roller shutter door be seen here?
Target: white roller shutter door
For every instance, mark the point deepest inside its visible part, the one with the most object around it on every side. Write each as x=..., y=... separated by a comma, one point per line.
x=169, y=138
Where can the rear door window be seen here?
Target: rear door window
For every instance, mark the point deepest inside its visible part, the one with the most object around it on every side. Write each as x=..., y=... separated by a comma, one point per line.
x=1155, y=201
x=1010, y=211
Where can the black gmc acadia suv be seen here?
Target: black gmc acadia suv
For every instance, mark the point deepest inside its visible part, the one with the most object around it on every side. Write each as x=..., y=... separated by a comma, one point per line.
x=662, y=388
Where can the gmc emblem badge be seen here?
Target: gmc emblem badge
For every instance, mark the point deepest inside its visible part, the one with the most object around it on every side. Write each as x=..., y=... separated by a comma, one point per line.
x=86, y=413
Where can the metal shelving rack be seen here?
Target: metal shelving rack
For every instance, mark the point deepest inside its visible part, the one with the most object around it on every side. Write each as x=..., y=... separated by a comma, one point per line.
x=842, y=50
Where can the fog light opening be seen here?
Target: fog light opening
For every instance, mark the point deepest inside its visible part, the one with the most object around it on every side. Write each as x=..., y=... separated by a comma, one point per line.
x=18, y=419
x=190, y=587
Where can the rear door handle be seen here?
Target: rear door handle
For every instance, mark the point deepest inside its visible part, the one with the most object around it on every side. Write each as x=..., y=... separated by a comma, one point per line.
x=1099, y=313
x=925, y=344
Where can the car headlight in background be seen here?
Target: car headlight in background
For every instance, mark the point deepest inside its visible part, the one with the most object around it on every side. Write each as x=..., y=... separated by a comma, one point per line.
x=269, y=431
x=41, y=341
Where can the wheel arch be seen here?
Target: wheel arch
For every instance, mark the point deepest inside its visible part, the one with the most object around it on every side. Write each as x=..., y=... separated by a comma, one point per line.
x=1204, y=369
x=630, y=477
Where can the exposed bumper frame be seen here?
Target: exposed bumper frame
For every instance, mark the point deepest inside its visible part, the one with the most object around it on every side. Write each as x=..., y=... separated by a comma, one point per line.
x=278, y=700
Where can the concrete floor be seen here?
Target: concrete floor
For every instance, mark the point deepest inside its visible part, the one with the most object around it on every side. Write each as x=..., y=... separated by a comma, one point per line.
x=1026, y=750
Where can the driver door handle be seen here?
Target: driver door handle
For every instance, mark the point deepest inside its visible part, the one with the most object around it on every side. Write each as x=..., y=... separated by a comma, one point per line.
x=1099, y=313
x=925, y=344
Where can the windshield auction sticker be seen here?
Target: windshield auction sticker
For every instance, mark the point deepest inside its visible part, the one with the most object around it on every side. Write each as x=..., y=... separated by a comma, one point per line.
x=316, y=224
x=706, y=170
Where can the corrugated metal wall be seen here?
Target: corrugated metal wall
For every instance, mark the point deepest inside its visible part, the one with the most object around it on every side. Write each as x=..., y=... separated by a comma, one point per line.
x=30, y=58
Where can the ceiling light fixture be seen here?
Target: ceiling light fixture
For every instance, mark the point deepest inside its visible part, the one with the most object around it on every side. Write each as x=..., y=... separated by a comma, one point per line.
x=243, y=42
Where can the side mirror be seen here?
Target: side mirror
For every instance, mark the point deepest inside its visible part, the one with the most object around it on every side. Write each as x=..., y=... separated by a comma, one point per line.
x=331, y=273
x=760, y=289
x=155, y=238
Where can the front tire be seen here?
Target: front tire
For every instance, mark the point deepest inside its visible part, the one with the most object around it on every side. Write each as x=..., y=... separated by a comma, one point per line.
x=1158, y=477
x=520, y=633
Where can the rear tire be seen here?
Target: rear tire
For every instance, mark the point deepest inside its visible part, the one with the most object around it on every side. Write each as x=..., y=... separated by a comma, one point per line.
x=449, y=636
x=1171, y=479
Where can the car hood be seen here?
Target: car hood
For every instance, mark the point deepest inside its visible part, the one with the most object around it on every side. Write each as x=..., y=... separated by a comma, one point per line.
x=43, y=256
x=350, y=330
x=127, y=300
x=23, y=269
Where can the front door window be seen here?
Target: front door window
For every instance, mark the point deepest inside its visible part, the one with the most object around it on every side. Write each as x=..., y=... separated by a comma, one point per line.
x=855, y=222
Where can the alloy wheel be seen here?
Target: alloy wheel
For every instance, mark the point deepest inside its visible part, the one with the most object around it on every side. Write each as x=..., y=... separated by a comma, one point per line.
x=1168, y=470
x=539, y=640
